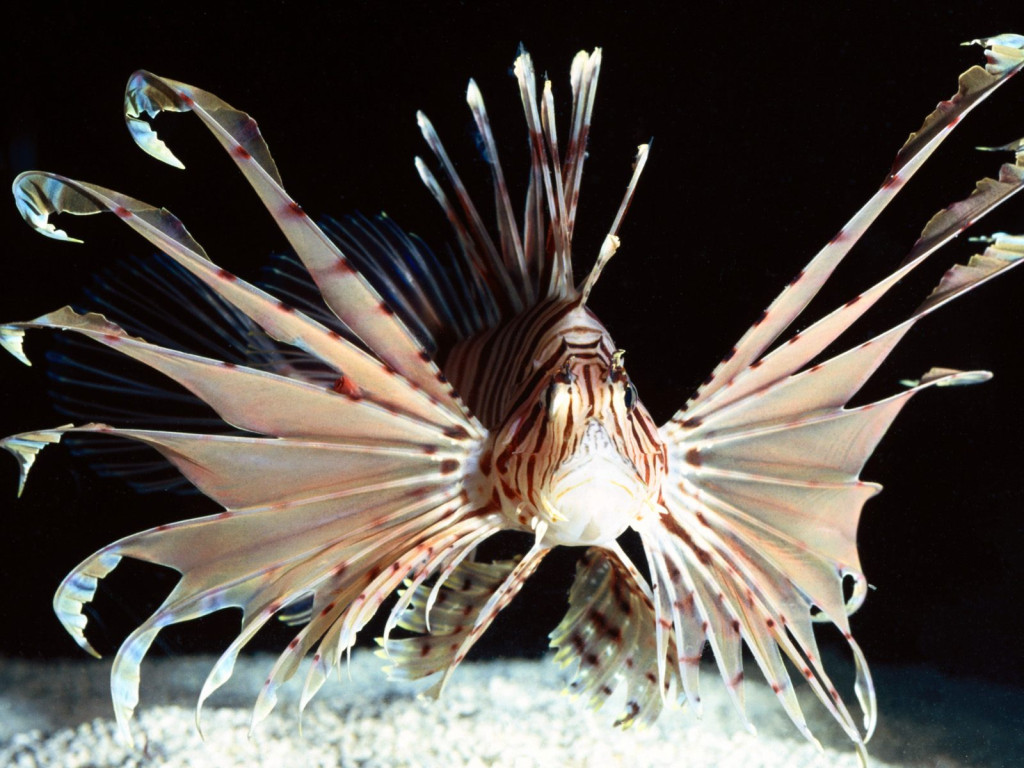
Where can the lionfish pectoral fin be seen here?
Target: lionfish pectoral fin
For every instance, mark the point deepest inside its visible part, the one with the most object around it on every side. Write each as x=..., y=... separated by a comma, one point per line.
x=79, y=587
x=27, y=445
x=348, y=294
x=41, y=194
x=1004, y=58
x=609, y=631
x=338, y=517
x=749, y=386
x=758, y=532
x=764, y=495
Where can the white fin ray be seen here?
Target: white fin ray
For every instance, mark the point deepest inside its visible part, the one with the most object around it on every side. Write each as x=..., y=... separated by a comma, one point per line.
x=247, y=398
x=473, y=236
x=1005, y=58
x=761, y=522
x=801, y=348
x=271, y=573
x=38, y=195
x=434, y=649
x=511, y=244
x=545, y=171
x=831, y=384
x=350, y=593
x=345, y=291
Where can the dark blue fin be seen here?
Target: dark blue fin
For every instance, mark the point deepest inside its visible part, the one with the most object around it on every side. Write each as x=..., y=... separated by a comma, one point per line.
x=154, y=298
x=442, y=301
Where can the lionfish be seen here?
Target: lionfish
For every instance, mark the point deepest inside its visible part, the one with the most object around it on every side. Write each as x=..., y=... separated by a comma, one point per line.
x=425, y=409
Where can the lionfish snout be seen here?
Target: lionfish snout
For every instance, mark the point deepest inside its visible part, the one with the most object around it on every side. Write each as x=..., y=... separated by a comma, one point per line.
x=596, y=493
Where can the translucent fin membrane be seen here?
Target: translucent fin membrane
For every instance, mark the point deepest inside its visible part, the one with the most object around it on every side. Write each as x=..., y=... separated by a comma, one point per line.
x=437, y=300
x=155, y=298
x=757, y=532
x=40, y=194
x=355, y=469
x=347, y=480
x=609, y=633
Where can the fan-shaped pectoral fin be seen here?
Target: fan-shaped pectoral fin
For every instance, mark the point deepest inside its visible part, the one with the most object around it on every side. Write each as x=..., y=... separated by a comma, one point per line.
x=758, y=533
x=349, y=295
x=40, y=195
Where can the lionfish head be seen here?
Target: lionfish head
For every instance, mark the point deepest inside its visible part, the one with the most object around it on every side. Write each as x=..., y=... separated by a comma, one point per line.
x=587, y=446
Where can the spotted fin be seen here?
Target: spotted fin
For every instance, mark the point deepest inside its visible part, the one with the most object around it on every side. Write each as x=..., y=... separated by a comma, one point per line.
x=464, y=612
x=609, y=633
x=441, y=623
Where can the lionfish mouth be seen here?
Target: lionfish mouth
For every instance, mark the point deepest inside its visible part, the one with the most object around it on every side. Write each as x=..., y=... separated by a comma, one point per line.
x=595, y=494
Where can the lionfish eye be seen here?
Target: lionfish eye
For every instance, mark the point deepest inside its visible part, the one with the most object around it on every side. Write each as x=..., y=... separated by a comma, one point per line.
x=559, y=391
x=630, y=396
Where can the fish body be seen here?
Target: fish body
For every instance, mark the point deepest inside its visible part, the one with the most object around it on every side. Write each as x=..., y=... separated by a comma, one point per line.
x=574, y=451
x=420, y=410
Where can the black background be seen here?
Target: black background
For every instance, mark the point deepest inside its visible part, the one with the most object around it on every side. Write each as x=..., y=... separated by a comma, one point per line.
x=770, y=130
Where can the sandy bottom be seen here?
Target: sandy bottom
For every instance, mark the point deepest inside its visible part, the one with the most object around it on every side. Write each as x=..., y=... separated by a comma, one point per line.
x=496, y=713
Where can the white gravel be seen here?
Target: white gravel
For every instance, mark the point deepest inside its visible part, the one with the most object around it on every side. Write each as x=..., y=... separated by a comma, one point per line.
x=497, y=713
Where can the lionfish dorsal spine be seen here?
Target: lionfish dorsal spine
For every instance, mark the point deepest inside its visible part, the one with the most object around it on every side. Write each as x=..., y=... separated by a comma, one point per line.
x=534, y=265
